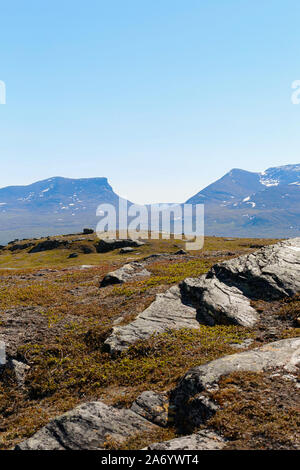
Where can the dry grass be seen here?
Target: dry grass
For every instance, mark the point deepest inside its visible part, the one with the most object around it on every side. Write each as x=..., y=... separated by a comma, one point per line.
x=71, y=366
x=259, y=412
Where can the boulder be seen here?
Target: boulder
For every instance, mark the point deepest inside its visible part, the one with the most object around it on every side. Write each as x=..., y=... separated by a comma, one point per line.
x=88, y=231
x=153, y=407
x=180, y=252
x=73, y=255
x=270, y=273
x=165, y=313
x=20, y=369
x=87, y=249
x=124, y=274
x=187, y=398
x=218, y=303
x=202, y=440
x=87, y=427
x=106, y=245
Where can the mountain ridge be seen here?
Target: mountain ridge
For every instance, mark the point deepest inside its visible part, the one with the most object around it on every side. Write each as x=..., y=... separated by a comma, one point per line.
x=240, y=203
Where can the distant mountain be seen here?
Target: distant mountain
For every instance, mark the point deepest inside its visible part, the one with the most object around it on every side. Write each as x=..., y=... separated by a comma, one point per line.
x=242, y=203
x=52, y=206
x=233, y=186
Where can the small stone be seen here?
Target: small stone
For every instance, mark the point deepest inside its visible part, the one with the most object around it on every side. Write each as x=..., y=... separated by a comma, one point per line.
x=126, y=249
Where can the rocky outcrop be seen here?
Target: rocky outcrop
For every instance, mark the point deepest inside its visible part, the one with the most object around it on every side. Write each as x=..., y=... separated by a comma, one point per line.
x=47, y=245
x=106, y=245
x=153, y=407
x=87, y=427
x=20, y=246
x=166, y=312
x=202, y=440
x=124, y=274
x=188, y=400
x=217, y=302
x=270, y=273
x=93, y=425
x=222, y=296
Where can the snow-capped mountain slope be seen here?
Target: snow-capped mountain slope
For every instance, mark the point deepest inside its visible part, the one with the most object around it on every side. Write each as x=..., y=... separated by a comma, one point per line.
x=232, y=187
x=288, y=174
x=242, y=203
x=52, y=206
x=58, y=194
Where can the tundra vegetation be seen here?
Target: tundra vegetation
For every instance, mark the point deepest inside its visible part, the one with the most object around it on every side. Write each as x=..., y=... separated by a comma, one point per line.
x=56, y=319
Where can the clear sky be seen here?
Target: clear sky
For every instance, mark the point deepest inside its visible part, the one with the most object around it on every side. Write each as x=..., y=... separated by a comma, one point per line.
x=160, y=96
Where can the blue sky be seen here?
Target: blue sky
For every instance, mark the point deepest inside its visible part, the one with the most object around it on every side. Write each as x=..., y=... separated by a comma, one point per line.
x=162, y=97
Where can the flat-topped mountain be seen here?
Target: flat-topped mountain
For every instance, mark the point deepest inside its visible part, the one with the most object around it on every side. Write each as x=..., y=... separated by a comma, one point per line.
x=53, y=206
x=59, y=194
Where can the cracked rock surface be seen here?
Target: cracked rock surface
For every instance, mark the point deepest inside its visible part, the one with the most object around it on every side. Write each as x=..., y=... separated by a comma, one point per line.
x=222, y=296
x=270, y=273
x=219, y=303
x=87, y=427
x=284, y=354
x=166, y=312
x=91, y=425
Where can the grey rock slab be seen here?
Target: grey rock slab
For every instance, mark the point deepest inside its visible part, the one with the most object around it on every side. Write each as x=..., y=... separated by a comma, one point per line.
x=124, y=274
x=202, y=440
x=87, y=427
x=269, y=273
x=219, y=303
x=167, y=312
x=284, y=354
x=153, y=407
